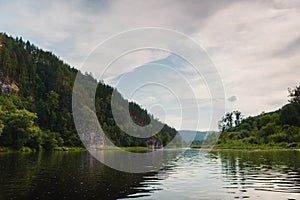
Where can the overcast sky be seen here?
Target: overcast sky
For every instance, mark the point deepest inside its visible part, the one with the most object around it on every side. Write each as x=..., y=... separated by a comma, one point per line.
x=255, y=45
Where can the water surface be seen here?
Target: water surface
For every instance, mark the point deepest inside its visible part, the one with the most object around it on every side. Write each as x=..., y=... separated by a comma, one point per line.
x=194, y=175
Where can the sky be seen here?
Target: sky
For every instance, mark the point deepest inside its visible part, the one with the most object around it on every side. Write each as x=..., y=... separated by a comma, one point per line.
x=254, y=46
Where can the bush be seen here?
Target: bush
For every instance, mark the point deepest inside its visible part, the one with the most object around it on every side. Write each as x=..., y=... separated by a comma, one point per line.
x=278, y=138
x=251, y=140
x=52, y=141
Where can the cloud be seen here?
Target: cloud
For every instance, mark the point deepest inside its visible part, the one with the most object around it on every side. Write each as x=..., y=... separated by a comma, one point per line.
x=147, y=101
x=232, y=99
x=243, y=39
x=254, y=44
x=291, y=49
x=72, y=29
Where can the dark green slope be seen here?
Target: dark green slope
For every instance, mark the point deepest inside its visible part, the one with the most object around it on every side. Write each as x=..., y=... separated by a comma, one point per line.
x=40, y=83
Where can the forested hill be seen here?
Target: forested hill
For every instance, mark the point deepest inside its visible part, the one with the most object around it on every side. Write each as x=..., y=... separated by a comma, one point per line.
x=278, y=129
x=36, y=100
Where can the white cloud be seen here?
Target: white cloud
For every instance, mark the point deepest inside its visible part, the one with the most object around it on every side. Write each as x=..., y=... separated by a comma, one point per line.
x=243, y=39
x=255, y=44
x=149, y=100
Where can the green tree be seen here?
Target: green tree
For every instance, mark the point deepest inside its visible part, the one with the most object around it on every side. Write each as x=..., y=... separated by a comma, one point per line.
x=230, y=120
x=52, y=140
x=48, y=110
x=45, y=86
x=294, y=93
x=264, y=120
x=19, y=128
x=290, y=114
x=1, y=122
x=238, y=117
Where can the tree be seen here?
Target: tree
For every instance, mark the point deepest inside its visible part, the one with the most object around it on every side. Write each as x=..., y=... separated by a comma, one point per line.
x=238, y=117
x=264, y=120
x=1, y=126
x=52, y=141
x=47, y=111
x=230, y=120
x=1, y=122
x=294, y=93
x=279, y=129
x=290, y=114
x=19, y=128
x=45, y=87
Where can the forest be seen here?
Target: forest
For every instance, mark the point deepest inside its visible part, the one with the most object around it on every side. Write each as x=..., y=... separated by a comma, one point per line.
x=36, y=102
x=278, y=129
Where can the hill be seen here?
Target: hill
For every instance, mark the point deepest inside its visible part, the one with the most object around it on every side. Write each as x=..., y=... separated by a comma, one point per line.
x=278, y=129
x=36, y=102
x=190, y=136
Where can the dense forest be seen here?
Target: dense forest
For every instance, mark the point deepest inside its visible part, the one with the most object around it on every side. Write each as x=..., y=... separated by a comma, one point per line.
x=36, y=102
x=279, y=129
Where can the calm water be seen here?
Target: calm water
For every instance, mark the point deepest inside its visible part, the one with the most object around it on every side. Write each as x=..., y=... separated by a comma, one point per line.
x=195, y=175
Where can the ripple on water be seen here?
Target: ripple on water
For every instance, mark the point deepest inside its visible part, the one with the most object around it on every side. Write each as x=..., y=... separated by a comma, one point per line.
x=228, y=176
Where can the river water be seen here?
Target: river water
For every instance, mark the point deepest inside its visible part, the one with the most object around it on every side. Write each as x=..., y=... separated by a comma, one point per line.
x=226, y=174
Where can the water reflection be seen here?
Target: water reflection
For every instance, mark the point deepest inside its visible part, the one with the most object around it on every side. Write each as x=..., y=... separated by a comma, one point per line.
x=137, y=162
x=232, y=175
x=195, y=175
x=62, y=175
x=274, y=171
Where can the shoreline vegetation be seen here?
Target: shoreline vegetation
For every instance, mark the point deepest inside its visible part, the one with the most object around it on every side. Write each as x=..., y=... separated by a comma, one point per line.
x=30, y=150
x=274, y=130
x=258, y=147
x=78, y=149
x=142, y=149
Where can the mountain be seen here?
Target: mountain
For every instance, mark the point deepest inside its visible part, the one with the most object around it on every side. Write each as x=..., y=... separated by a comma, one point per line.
x=191, y=136
x=36, y=89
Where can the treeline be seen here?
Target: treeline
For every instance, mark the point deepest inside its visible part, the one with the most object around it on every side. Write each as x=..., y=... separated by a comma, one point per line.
x=279, y=129
x=36, y=89
x=18, y=127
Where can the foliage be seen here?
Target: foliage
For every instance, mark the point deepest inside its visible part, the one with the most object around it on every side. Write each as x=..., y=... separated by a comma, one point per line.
x=18, y=126
x=230, y=120
x=38, y=114
x=279, y=129
x=294, y=93
x=52, y=141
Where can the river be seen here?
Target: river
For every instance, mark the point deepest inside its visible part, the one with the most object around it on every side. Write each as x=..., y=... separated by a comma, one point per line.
x=224, y=174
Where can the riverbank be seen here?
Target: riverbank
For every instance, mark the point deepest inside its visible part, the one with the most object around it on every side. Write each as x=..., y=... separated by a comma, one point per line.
x=279, y=146
x=29, y=150
x=131, y=149
x=143, y=149
x=72, y=149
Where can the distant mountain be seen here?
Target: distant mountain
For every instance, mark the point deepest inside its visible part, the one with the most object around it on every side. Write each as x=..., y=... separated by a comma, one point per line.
x=189, y=136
